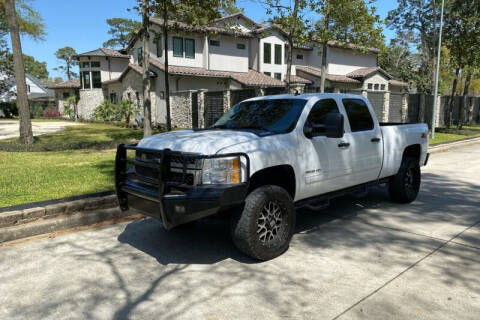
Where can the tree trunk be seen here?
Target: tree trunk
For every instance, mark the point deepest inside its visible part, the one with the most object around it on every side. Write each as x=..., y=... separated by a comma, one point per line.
x=26, y=135
x=68, y=71
x=147, y=108
x=449, y=109
x=463, y=105
x=167, y=83
x=289, y=63
x=324, y=67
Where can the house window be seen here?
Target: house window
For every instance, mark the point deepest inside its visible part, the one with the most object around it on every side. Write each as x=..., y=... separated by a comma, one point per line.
x=370, y=86
x=86, y=80
x=241, y=46
x=214, y=43
x=96, y=79
x=299, y=56
x=95, y=64
x=376, y=86
x=113, y=97
x=278, y=54
x=139, y=55
x=129, y=96
x=190, y=48
x=28, y=88
x=178, y=47
x=268, y=74
x=382, y=87
x=85, y=64
x=66, y=95
x=158, y=46
x=278, y=76
x=267, y=53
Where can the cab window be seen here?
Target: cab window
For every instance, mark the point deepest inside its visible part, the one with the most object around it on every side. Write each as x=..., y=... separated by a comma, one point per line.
x=358, y=115
x=318, y=114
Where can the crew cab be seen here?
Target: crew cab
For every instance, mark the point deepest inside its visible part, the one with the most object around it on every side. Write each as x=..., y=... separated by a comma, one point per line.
x=266, y=157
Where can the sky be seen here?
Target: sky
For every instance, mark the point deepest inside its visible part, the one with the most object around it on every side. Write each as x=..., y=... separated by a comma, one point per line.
x=81, y=24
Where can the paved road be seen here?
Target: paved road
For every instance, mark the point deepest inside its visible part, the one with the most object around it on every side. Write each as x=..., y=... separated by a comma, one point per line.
x=9, y=129
x=359, y=259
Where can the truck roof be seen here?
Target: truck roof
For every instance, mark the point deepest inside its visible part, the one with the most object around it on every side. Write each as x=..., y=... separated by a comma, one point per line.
x=307, y=96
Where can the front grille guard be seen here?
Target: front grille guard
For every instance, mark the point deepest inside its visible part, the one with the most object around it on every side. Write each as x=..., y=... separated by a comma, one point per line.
x=163, y=168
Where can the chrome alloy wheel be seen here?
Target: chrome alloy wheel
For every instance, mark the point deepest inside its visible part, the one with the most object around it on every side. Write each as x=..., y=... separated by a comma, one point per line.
x=271, y=224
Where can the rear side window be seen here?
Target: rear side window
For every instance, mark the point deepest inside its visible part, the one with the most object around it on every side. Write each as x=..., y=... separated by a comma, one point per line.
x=358, y=115
x=319, y=112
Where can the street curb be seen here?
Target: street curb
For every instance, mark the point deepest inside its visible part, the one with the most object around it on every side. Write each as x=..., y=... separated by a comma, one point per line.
x=29, y=222
x=446, y=146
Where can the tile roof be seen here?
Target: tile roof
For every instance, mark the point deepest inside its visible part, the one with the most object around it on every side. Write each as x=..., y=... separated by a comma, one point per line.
x=70, y=84
x=330, y=77
x=344, y=45
x=103, y=52
x=251, y=78
x=213, y=29
x=399, y=83
x=298, y=79
x=365, y=72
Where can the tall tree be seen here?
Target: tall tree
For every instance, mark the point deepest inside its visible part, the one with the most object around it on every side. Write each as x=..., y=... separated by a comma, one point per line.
x=30, y=23
x=418, y=19
x=36, y=68
x=193, y=12
x=349, y=21
x=147, y=104
x=121, y=30
x=291, y=18
x=26, y=135
x=462, y=34
x=66, y=55
x=397, y=61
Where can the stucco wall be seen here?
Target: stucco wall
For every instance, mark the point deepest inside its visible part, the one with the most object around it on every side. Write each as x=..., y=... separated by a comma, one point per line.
x=227, y=57
x=181, y=83
x=273, y=68
x=110, y=68
x=60, y=100
x=343, y=61
x=376, y=78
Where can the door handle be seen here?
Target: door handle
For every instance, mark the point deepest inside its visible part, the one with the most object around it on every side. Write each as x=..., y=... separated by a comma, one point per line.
x=375, y=140
x=343, y=144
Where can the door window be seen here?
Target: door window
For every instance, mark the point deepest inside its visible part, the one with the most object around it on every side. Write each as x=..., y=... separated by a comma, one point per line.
x=318, y=114
x=358, y=115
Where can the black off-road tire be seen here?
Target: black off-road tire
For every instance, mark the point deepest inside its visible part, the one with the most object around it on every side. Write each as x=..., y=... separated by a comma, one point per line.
x=404, y=186
x=248, y=226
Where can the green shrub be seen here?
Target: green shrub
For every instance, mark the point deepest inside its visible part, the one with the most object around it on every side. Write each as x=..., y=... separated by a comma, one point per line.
x=69, y=107
x=127, y=110
x=107, y=111
x=8, y=109
x=36, y=111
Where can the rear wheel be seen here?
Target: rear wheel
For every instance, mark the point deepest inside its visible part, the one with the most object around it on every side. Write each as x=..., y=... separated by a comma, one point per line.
x=404, y=186
x=264, y=228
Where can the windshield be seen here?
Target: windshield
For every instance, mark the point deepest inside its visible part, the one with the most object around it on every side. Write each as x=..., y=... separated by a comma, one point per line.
x=272, y=115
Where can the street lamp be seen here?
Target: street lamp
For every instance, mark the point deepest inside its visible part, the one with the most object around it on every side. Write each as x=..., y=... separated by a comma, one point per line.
x=435, y=106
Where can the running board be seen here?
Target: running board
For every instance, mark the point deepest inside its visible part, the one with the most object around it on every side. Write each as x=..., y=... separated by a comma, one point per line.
x=310, y=202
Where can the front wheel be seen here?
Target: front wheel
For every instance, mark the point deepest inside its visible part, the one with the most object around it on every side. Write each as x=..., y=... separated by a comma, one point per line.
x=264, y=228
x=404, y=186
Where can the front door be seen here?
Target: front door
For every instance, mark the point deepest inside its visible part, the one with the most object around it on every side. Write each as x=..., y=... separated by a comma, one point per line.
x=325, y=164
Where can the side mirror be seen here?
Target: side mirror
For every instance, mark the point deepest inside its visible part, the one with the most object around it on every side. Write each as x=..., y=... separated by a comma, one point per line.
x=308, y=130
x=334, y=125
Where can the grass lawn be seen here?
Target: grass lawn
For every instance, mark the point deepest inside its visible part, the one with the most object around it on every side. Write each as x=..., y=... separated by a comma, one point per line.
x=448, y=135
x=77, y=160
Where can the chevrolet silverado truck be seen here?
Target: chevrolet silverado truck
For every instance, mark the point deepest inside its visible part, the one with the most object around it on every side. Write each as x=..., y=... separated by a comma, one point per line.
x=267, y=157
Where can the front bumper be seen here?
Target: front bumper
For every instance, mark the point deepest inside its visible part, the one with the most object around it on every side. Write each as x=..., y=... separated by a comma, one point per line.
x=172, y=203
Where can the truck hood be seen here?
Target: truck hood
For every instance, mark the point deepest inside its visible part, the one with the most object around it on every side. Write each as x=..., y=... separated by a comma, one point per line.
x=201, y=141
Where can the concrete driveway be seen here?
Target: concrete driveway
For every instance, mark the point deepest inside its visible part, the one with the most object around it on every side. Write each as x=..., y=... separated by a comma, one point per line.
x=10, y=129
x=358, y=259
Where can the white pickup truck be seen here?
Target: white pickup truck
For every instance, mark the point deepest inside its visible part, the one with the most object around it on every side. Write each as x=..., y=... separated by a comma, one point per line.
x=266, y=157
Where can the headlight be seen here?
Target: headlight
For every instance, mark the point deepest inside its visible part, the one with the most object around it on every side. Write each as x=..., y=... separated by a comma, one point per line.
x=221, y=171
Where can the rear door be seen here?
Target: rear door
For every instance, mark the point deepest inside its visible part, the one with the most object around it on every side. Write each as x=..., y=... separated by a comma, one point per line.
x=365, y=138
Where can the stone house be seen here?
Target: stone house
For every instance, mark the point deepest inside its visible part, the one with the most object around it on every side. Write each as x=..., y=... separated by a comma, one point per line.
x=233, y=53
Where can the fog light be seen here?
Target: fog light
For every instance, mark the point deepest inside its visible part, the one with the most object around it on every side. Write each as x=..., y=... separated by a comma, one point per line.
x=179, y=209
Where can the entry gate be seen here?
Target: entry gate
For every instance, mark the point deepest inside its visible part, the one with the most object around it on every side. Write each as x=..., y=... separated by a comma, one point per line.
x=213, y=107
x=237, y=96
x=376, y=99
x=395, y=112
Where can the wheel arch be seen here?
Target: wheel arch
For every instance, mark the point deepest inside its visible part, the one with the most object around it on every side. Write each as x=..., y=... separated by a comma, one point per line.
x=414, y=151
x=279, y=175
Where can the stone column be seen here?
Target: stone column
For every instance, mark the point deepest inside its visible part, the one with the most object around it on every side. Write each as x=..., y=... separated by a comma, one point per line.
x=259, y=92
x=201, y=108
x=226, y=100
x=386, y=106
x=405, y=107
